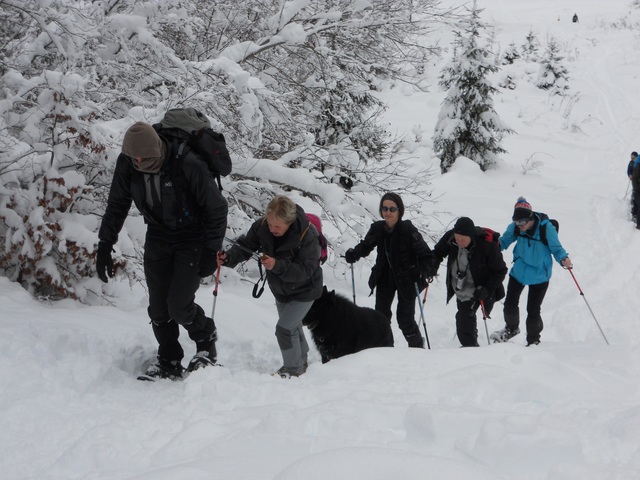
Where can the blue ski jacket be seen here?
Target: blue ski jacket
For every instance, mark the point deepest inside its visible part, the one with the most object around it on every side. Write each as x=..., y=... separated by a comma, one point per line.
x=532, y=259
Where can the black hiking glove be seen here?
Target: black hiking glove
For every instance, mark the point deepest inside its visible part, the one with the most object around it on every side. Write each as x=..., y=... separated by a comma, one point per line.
x=413, y=274
x=480, y=293
x=104, y=262
x=350, y=256
x=208, y=263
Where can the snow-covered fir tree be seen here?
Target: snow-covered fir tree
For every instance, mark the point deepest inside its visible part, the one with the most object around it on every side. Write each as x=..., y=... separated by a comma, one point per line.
x=530, y=47
x=553, y=75
x=467, y=124
x=510, y=55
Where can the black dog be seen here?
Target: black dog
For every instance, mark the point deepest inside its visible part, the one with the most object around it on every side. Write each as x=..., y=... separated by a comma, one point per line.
x=339, y=327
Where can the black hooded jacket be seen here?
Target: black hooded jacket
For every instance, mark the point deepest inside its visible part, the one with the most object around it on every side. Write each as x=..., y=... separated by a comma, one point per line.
x=297, y=274
x=485, y=262
x=402, y=249
x=195, y=212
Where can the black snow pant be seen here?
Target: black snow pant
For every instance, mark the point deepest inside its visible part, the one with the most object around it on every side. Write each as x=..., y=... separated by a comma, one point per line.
x=635, y=209
x=405, y=312
x=466, y=321
x=534, y=303
x=171, y=270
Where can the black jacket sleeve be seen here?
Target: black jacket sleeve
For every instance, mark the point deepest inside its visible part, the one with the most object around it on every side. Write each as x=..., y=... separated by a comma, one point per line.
x=244, y=246
x=370, y=240
x=119, y=202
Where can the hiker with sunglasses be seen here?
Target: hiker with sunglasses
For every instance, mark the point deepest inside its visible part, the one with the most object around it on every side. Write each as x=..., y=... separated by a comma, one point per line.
x=403, y=262
x=533, y=257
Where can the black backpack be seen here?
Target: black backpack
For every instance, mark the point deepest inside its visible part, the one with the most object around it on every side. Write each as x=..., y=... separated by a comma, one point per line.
x=192, y=130
x=543, y=227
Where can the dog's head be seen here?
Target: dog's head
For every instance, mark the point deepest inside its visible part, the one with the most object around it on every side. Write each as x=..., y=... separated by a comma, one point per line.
x=318, y=310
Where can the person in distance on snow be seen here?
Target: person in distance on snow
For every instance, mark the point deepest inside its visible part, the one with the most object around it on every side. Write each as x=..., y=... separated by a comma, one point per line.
x=632, y=163
x=289, y=250
x=475, y=272
x=403, y=261
x=180, y=246
x=532, y=264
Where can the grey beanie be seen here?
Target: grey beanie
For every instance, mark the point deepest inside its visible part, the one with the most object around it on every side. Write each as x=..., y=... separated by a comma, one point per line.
x=141, y=140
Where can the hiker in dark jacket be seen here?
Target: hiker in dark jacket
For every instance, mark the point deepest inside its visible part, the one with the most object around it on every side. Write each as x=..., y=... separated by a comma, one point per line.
x=630, y=166
x=403, y=261
x=185, y=230
x=635, y=184
x=532, y=267
x=289, y=252
x=475, y=272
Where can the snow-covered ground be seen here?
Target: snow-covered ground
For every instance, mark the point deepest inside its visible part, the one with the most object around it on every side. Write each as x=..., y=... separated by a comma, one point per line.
x=568, y=409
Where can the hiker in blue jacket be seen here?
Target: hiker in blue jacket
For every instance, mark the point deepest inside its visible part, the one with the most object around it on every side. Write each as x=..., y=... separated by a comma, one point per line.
x=532, y=264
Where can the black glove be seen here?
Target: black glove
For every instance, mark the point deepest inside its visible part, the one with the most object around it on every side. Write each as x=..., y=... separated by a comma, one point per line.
x=480, y=293
x=104, y=262
x=208, y=263
x=350, y=256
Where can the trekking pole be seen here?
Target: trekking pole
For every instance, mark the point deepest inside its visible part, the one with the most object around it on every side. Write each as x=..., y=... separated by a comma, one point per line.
x=353, y=284
x=424, y=325
x=254, y=255
x=215, y=292
x=585, y=301
x=484, y=317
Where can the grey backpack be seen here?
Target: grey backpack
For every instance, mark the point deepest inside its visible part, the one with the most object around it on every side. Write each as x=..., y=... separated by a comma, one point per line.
x=192, y=130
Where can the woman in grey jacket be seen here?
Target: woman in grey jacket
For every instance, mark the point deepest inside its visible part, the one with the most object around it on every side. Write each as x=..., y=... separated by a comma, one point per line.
x=289, y=252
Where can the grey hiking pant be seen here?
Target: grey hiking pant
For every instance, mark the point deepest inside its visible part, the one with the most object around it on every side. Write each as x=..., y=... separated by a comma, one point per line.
x=290, y=335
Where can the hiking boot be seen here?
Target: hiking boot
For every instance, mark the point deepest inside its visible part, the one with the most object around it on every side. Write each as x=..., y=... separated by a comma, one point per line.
x=503, y=335
x=415, y=340
x=202, y=359
x=285, y=372
x=534, y=342
x=206, y=354
x=162, y=368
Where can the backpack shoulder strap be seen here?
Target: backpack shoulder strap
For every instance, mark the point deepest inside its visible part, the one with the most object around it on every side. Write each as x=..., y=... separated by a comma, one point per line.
x=544, y=219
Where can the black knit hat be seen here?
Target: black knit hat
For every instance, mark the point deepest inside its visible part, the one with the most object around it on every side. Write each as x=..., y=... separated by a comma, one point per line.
x=465, y=226
x=522, y=210
x=395, y=198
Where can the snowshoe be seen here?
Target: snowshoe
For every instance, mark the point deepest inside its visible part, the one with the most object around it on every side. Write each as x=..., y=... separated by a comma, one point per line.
x=161, y=368
x=504, y=335
x=202, y=359
x=285, y=372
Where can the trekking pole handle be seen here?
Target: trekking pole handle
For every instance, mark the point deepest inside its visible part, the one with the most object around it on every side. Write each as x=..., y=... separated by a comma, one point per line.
x=574, y=279
x=215, y=290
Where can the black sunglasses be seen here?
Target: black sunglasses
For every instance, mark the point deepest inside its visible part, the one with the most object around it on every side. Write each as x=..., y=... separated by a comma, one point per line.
x=389, y=209
x=522, y=222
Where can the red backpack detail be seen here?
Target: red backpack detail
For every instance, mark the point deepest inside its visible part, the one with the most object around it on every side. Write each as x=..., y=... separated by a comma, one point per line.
x=315, y=220
x=491, y=235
